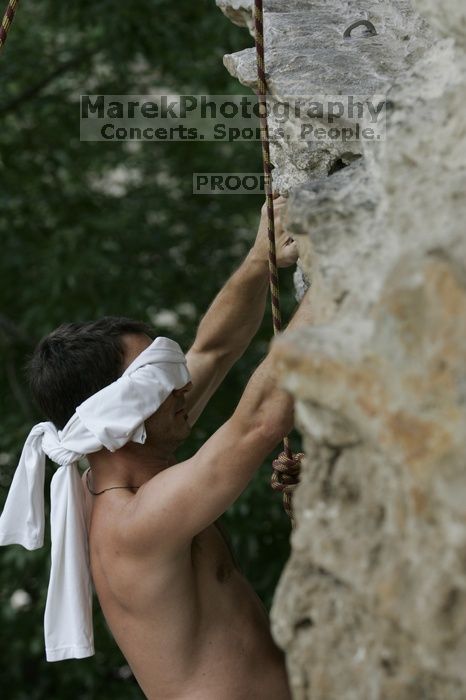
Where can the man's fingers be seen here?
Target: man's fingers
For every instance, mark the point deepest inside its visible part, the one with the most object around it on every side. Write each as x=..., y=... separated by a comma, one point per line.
x=292, y=252
x=278, y=201
x=278, y=209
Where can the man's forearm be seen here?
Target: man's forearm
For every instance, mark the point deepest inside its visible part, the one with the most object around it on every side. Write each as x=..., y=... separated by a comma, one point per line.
x=236, y=313
x=263, y=402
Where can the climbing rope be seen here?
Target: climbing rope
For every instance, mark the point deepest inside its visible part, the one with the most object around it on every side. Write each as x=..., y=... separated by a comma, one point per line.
x=285, y=478
x=7, y=20
x=286, y=467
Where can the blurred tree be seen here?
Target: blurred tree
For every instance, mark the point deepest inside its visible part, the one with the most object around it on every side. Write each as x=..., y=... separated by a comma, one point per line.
x=90, y=228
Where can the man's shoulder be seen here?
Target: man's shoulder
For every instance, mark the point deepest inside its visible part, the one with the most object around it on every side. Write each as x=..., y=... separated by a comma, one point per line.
x=139, y=532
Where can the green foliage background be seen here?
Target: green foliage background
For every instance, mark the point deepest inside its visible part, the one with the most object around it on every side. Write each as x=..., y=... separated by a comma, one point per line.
x=71, y=250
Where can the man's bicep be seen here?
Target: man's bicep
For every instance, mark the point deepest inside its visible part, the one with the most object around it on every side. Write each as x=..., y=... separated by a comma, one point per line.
x=207, y=370
x=184, y=499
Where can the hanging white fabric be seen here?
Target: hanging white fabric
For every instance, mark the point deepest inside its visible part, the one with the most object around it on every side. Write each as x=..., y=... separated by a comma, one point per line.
x=110, y=418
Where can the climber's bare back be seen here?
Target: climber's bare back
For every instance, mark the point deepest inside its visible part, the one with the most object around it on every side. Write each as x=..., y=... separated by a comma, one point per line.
x=188, y=622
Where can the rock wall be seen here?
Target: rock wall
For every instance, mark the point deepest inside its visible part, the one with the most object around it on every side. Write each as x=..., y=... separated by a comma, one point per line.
x=372, y=603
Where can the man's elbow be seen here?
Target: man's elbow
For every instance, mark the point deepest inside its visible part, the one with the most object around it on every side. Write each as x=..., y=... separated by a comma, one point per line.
x=275, y=428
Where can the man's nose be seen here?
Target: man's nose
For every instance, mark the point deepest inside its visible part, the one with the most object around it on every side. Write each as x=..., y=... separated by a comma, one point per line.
x=184, y=389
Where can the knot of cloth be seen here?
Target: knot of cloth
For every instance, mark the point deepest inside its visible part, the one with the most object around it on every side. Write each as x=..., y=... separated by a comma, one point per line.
x=285, y=476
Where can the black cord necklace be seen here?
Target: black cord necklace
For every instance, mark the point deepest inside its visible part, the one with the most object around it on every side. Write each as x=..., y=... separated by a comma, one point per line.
x=110, y=488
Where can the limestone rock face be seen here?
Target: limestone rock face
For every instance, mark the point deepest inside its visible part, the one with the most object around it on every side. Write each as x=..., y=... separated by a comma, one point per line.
x=372, y=603
x=449, y=18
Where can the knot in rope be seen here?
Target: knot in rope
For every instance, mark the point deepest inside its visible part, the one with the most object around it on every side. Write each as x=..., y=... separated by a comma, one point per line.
x=285, y=476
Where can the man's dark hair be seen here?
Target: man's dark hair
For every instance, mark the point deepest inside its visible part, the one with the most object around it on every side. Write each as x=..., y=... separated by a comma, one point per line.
x=75, y=361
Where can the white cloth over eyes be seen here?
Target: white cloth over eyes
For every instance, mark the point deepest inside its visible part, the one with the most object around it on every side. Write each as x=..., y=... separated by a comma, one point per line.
x=110, y=418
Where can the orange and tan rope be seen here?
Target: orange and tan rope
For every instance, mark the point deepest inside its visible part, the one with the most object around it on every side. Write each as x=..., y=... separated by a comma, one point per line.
x=7, y=20
x=286, y=467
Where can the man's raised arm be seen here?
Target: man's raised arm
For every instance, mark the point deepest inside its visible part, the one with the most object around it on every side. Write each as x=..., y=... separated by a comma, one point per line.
x=184, y=499
x=235, y=315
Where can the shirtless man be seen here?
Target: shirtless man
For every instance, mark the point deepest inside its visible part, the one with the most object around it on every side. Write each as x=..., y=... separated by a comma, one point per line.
x=185, y=618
